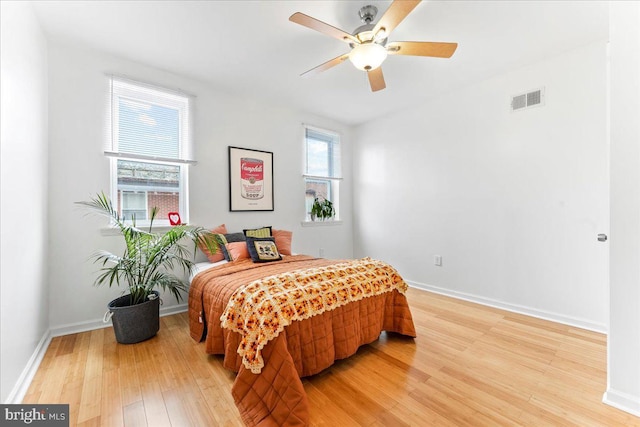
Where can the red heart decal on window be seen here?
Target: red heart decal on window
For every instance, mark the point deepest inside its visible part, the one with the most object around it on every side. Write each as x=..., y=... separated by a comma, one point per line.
x=174, y=218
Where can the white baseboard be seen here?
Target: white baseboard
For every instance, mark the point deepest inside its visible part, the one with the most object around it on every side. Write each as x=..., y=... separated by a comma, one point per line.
x=515, y=308
x=174, y=309
x=623, y=401
x=24, y=380
x=90, y=325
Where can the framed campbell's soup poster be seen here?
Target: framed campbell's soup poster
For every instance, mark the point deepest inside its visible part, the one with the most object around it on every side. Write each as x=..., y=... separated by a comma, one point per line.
x=250, y=180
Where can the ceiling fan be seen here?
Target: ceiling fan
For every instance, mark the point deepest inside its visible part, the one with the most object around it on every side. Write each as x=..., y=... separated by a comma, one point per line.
x=369, y=47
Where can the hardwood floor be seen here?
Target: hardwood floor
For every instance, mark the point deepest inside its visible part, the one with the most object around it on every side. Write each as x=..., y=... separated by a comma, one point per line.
x=470, y=366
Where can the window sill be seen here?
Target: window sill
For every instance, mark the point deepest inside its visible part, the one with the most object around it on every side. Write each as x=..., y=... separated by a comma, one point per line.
x=115, y=231
x=321, y=223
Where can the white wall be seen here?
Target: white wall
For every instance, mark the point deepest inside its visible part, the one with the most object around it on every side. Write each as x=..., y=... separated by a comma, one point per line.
x=78, y=107
x=623, y=388
x=511, y=201
x=24, y=292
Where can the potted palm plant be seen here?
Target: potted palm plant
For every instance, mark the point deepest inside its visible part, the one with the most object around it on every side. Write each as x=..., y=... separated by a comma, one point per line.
x=147, y=263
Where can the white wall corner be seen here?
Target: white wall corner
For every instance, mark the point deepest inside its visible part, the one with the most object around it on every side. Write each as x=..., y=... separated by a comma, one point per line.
x=623, y=401
x=24, y=381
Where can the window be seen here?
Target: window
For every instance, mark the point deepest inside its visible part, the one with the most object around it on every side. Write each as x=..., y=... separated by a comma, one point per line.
x=134, y=204
x=322, y=169
x=150, y=150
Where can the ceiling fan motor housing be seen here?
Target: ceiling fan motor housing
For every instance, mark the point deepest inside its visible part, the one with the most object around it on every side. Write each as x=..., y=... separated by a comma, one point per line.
x=364, y=33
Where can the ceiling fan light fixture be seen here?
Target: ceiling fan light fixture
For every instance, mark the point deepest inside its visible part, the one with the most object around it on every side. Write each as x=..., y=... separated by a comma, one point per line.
x=368, y=56
x=368, y=42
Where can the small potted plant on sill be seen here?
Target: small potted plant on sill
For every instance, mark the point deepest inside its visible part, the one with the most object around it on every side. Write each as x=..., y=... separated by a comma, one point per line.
x=146, y=264
x=322, y=209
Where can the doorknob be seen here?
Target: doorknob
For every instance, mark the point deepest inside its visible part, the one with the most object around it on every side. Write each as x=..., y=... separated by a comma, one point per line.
x=602, y=237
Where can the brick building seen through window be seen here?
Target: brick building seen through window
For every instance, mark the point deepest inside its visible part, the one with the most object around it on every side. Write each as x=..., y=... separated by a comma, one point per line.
x=143, y=185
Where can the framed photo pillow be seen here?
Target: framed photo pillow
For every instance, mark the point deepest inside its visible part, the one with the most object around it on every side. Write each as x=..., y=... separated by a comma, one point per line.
x=263, y=249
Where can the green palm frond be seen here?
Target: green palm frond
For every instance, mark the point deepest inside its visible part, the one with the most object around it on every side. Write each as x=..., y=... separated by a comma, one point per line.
x=149, y=259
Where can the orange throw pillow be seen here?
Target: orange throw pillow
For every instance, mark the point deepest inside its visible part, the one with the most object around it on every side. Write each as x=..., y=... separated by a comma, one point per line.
x=237, y=251
x=218, y=256
x=283, y=241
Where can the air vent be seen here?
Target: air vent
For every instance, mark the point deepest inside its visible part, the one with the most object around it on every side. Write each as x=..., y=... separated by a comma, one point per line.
x=523, y=101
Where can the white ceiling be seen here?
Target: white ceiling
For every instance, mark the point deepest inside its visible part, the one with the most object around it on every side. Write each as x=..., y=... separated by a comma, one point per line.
x=250, y=47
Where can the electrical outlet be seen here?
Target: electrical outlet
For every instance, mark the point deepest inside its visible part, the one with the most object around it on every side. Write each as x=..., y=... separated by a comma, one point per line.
x=321, y=252
x=437, y=260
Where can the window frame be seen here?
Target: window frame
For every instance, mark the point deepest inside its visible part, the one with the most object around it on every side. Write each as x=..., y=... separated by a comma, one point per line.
x=182, y=190
x=155, y=95
x=334, y=176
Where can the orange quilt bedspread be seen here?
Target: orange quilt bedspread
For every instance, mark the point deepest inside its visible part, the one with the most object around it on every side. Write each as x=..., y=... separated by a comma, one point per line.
x=305, y=347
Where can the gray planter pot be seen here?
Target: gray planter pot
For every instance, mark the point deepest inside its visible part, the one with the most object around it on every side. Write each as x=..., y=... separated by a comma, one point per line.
x=135, y=323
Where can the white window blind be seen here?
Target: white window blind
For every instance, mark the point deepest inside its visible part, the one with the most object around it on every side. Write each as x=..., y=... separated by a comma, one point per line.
x=149, y=123
x=322, y=151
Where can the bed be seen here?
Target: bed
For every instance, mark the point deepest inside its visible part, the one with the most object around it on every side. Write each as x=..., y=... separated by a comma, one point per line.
x=252, y=314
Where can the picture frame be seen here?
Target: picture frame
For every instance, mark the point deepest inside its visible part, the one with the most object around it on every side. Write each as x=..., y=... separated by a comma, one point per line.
x=250, y=180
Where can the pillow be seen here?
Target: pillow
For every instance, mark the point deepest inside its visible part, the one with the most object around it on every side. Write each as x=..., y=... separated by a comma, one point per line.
x=231, y=238
x=218, y=243
x=221, y=229
x=219, y=255
x=258, y=232
x=234, y=237
x=262, y=249
x=237, y=251
x=283, y=241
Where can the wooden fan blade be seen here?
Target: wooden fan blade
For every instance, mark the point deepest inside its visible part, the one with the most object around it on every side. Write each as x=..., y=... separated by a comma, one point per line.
x=329, y=64
x=376, y=79
x=323, y=27
x=398, y=10
x=435, y=49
